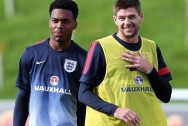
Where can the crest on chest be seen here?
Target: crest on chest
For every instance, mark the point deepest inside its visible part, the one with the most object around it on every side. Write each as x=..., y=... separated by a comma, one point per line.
x=70, y=65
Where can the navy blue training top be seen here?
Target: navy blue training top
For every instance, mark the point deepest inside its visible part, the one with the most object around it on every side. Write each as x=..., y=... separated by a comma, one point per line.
x=53, y=80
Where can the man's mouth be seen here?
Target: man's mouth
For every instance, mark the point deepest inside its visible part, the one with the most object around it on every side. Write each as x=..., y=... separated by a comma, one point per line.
x=129, y=28
x=59, y=33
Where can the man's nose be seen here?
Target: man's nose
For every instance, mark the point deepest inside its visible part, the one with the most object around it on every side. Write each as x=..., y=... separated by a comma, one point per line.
x=60, y=24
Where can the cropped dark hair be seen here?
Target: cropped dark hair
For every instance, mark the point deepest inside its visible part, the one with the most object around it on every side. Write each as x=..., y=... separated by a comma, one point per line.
x=125, y=4
x=65, y=4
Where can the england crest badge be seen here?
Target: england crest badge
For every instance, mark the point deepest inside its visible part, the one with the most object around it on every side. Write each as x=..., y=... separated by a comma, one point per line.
x=70, y=65
x=139, y=79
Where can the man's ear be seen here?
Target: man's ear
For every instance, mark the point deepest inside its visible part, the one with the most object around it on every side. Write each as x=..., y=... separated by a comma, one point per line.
x=49, y=23
x=142, y=16
x=76, y=24
x=115, y=19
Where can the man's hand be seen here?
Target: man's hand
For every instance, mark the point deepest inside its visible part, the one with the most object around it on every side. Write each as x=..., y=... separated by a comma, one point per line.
x=127, y=115
x=138, y=61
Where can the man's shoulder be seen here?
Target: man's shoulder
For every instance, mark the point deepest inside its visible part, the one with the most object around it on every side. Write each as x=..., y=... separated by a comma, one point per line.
x=147, y=40
x=109, y=37
x=37, y=44
x=79, y=48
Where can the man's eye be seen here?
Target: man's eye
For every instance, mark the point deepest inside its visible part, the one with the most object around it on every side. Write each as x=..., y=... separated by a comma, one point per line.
x=55, y=21
x=121, y=18
x=66, y=21
x=132, y=17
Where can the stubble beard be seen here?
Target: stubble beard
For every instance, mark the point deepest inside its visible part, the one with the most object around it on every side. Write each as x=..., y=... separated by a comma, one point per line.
x=130, y=34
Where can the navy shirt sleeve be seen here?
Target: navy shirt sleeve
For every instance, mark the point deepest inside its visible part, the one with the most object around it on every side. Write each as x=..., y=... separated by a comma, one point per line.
x=160, y=80
x=87, y=96
x=95, y=65
x=93, y=74
x=21, y=108
x=23, y=79
x=163, y=70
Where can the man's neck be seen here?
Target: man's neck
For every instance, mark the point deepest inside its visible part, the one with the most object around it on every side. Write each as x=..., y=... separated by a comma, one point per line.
x=60, y=46
x=128, y=40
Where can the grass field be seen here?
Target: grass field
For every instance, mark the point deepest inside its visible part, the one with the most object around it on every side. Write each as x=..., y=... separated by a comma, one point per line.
x=164, y=22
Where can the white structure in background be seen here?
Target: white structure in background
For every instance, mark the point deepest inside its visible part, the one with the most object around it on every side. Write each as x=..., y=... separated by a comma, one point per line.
x=177, y=109
x=179, y=94
x=9, y=7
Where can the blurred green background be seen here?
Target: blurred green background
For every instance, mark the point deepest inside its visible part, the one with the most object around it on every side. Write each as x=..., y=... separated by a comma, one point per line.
x=164, y=22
